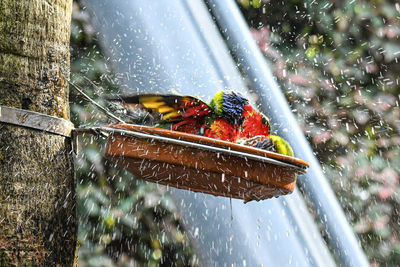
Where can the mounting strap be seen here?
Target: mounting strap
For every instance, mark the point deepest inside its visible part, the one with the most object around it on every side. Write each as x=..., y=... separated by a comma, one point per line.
x=35, y=120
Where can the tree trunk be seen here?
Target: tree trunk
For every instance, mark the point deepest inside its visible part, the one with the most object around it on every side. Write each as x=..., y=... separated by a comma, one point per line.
x=37, y=188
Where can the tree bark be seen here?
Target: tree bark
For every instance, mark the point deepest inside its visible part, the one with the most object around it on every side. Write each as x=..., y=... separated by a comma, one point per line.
x=37, y=187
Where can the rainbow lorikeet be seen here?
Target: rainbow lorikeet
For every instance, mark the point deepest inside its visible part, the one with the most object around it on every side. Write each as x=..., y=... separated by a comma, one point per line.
x=255, y=128
x=221, y=119
x=255, y=123
x=255, y=132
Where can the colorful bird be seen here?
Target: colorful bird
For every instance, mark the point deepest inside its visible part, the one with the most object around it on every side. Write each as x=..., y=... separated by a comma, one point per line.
x=256, y=132
x=255, y=129
x=255, y=123
x=221, y=119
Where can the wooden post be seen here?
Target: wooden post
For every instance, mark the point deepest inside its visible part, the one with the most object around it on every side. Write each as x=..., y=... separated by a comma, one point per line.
x=37, y=188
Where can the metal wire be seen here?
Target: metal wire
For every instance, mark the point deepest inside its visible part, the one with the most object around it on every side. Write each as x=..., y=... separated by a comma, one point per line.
x=105, y=111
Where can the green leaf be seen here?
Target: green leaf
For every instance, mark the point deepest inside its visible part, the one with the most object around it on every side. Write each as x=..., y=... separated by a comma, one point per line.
x=311, y=52
x=256, y=3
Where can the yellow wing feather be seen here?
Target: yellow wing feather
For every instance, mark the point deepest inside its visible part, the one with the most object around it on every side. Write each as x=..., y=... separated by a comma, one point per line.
x=158, y=104
x=171, y=115
x=165, y=109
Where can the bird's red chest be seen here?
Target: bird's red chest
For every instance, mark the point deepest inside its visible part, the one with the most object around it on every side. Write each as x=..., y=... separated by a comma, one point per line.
x=254, y=126
x=222, y=130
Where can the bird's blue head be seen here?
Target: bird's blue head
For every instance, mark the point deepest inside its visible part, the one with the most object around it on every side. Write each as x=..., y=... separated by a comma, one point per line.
x=230, y=105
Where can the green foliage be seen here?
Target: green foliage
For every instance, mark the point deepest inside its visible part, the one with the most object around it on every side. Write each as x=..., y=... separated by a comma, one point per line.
x=122, y=220
x=337, y=62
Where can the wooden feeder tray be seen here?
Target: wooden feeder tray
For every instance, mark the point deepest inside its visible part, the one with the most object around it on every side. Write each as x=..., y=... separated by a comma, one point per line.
x=202, y=164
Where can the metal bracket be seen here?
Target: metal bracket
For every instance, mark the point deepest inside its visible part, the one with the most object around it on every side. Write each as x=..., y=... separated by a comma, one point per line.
x=35, y=120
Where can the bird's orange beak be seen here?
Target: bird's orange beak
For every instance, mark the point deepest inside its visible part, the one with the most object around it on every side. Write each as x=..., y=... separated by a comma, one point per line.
x=247, y=111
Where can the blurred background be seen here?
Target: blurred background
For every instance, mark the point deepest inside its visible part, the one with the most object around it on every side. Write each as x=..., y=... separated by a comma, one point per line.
x=336, y=62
